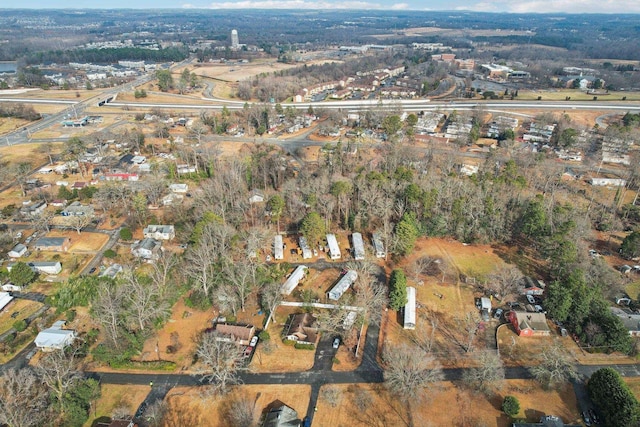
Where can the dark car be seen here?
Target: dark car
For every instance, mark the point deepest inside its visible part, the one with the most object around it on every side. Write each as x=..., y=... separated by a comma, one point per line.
x=93, y=270
x=586, y=418
x=306, y=422
x=498, y=313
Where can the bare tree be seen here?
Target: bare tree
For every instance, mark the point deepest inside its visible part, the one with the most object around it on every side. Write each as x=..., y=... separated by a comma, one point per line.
x=241, y=277
x=108, y=310
x=410, y=371
x=487, y=375
x=59, y=372
x=470, y=323
x=556, y=367
x=271, y=297
x=42, y=222
x=239, y=412
x=504, y=281
x=332, y=395
x=219, y=358
x=78, y=222
x=155, y=413
x=23, y=398
x=142, y=300
x=161, y=271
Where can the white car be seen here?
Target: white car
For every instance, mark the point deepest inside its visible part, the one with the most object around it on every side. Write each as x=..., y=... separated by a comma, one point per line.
x=254, y=341
x=336, y=342
x=531, y=299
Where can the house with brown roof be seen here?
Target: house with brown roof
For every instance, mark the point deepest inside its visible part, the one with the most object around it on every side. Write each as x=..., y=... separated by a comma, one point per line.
x=529, y=324
x=303, y=328
x=240, y=334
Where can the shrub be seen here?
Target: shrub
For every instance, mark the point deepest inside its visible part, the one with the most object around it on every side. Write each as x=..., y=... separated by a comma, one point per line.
x=288, y=342
x=20, y=325
x=304, y=346
x=511, y=406
x=126, y=234
x=198, y=300
x=71, y=315
x=264, y=336
x=110, y=253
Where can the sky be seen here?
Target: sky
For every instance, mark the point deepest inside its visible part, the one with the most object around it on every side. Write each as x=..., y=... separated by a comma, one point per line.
x=512, y=6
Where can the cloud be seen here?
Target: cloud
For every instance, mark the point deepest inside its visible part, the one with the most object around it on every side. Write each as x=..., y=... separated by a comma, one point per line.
x=303, y=4
x=566, y=6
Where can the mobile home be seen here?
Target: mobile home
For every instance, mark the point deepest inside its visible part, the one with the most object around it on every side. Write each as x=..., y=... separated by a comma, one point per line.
x=334, y=250
x=343, y=284
x=358, y=246
x=304, y=246
x=293, y=280
x=378, y=246
x=410, y=309
x=278, y=248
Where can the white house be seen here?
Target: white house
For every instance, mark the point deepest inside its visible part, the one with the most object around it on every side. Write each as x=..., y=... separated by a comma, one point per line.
x=345, y=282
x=5, y=299
x=148, y=249
x=608, y=182
x=257, y=196
x=45, y=267
x=159, y=232
x=55, y=338
x=77, y=209
x=178, y=188
x=410, y=309
x=278, y=247
x=334, y=249
x=294, y=280
x=112, y=271
x=17, y=251
x=358, y=246
x=304, y=246
x=378, y=246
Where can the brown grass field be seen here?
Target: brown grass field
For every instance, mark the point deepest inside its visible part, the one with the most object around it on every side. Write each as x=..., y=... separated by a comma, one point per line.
x=188, y=408
x=575, y=94
x=25, y=308
x=380, y=409
x=117, y=396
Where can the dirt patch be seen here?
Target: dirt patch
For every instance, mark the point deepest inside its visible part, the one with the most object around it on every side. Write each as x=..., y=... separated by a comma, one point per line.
x=188, y=408
x=178, y=338
x=238, y=72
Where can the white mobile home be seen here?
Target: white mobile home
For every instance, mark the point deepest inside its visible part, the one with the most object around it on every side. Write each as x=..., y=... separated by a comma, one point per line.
x=278, y=247
x=358, y=246
x=343, y=284
x=378, y=246
x=293, y=280
x=410, y=309
x=304, y=246
x=334, y=250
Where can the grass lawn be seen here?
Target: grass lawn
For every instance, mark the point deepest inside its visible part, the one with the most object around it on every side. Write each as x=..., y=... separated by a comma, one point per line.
x=25, y=308
x=188, y=408
x=575, y=94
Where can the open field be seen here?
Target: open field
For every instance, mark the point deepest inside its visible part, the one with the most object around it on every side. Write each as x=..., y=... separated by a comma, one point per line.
x=188, y=408
x=372, y=405
x=238, y=72
x=576, y=95
x=30, y=153
x=121, y=397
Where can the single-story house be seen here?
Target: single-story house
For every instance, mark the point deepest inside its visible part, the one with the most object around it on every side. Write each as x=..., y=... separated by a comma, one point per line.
x=531, y=286
x=112, y=271
x=55, y=338
x=345, y=282
x=54, y=244
x=34, y=209
x=240, y=334
x=77, y=209
x=45, y=267
x=294, y=280
x=630, y=320
x=5, y=299
x=257, y=196
x=171, y=199
x=79, y=185
x=529, y=324
x=178, y=188
x=147, y=248
x=378, y=245
x=282, y=416
x=159, y=232
x=59, y=203
x=303, y=328
x=17, y=251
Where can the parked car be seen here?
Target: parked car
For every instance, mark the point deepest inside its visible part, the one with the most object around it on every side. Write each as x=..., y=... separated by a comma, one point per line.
x=531, y=299
x=498, y=313
x=254, y=341
x=484, y=314
x=336, y=342
x=93, y=270
x=247, y=351
x=586, y=418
